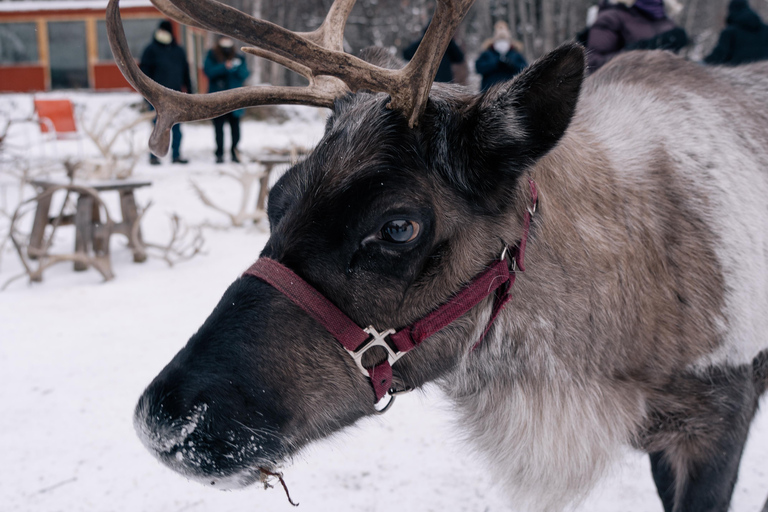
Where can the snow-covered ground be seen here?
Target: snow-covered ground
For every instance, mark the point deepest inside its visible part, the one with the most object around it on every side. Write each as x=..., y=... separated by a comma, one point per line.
x=75, y=353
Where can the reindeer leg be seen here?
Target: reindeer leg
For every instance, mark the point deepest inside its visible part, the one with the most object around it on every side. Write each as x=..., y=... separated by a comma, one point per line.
x=708, y=484
x=700, y=433
x=664, y=479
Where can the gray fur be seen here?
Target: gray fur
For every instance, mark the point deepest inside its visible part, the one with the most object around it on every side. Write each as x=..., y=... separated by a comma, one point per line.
x=638, y=322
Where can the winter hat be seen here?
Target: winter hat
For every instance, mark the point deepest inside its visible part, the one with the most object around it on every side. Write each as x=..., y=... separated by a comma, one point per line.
x=653, y=8
x=739, y=13
x=164, y=33
x=737, y=5
x=501, y=32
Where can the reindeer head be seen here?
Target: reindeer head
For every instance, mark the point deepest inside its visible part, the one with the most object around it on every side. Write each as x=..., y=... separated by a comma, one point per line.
x=401, y=204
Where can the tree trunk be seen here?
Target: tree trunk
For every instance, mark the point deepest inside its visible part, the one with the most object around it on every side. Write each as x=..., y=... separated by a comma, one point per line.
x=512, y=19
x=548, y=24
x=254, y=62
x=527, y=28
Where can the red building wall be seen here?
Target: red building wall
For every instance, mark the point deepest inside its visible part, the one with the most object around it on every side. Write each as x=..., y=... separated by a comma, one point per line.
x=31, y=77
x=108, y=76
x=27, y=78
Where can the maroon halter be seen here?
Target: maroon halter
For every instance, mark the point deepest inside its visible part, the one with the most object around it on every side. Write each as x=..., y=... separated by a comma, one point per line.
x=497, y=279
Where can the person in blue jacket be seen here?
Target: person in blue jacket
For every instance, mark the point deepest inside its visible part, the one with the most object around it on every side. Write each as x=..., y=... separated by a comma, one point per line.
x=501, y=59
x=226, y=69
x=744, y=39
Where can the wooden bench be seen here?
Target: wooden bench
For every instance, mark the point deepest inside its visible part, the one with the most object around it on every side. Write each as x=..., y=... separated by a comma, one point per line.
x=91, y=233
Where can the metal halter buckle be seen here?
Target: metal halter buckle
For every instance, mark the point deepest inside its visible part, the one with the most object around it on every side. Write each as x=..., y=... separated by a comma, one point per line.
x=378, y=340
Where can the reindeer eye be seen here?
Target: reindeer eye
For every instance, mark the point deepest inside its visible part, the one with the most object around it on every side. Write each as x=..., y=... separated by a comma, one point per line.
x=399, y=231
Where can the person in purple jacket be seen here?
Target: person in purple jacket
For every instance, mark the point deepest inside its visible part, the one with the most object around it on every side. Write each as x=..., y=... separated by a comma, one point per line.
x=623, y=25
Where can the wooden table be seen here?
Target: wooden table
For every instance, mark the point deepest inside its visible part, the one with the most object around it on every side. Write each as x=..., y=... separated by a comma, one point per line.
x=269, y=161
x=91, y=234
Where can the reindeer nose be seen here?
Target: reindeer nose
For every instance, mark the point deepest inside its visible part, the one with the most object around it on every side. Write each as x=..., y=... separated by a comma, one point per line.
x=162, y=429
x=180, y=426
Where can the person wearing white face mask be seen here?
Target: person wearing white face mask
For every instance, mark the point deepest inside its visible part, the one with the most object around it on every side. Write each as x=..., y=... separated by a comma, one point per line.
x=226, y=69
x=502, y=57
x=165, y=62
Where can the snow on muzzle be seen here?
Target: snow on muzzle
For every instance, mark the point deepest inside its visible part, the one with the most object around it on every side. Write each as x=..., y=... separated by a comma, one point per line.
x=200, y=442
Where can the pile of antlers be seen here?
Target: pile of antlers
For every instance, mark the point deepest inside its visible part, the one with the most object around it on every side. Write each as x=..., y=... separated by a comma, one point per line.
x=319, y=56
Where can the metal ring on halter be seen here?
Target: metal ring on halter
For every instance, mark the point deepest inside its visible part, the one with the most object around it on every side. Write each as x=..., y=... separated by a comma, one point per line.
x=387, y=405
x=392, y=394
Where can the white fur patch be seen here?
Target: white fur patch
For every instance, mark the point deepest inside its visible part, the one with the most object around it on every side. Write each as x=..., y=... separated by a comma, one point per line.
x=723, y=167
x=548, y=439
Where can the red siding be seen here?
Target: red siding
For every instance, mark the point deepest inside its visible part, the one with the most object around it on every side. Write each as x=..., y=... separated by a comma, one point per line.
x=22, y=78
x=108, y=76
x=73, y=13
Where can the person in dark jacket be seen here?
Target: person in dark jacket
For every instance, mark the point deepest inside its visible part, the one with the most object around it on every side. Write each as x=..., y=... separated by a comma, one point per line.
x=744, y=39
x=501, y=59
x=631, y=24
x=453, y=55
x=226, y=69
x=164, y=62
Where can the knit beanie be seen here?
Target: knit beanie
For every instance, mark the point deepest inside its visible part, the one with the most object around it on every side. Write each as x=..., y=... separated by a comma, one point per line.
x=653, y=8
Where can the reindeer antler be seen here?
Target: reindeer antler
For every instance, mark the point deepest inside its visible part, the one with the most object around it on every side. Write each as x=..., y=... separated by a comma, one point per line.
x=316, y=55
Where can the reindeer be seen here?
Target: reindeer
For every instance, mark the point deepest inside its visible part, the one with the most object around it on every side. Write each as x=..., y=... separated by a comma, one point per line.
x=628, y=210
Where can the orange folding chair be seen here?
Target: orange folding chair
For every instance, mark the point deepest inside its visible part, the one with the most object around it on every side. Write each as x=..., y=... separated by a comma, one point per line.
x=57, y=117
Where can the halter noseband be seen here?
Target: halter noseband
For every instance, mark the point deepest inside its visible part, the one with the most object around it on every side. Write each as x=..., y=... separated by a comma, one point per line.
x=496, y=279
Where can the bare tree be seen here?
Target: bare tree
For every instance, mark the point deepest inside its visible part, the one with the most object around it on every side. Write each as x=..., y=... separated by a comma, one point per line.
x=106, y=129
x=247, y=179
x=186, y=241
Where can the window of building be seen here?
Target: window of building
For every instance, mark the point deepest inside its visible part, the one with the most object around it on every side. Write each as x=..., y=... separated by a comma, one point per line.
x=138, y=32
x=69, y=60
x=18, y=43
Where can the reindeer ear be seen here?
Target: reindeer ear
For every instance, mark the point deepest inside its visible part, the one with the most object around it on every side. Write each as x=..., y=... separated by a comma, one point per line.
x=489, y=143
x=526, y=117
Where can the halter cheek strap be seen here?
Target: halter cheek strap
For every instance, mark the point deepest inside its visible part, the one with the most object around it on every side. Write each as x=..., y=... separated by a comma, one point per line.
x=496, y=280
